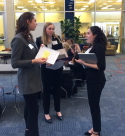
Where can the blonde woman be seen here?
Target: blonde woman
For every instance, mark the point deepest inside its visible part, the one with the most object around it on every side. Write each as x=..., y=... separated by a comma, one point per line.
x=51, y=79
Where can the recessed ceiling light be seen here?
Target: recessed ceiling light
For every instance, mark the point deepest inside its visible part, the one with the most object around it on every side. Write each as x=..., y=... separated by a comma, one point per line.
x=83, y=8
x=119, y=1
x=81, y=2
x=50, y=2
x=38, y=1
x=104, y=8
x=24, y=9
x=86, y=6
x=20, y=7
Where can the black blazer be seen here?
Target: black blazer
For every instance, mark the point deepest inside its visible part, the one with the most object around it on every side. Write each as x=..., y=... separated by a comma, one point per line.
x=97, y=75
x=55, y=47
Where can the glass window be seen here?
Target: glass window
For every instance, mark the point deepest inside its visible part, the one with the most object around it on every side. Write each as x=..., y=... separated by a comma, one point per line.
x=54, y=5
x=54, y=17
x=108, y=5
x=39, y=17
x=38, y=5
x=86, y=18
x=1, y=5
x=110, y=25
x=84, y=5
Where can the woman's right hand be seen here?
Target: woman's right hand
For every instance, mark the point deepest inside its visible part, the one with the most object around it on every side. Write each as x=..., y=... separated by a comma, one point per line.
x=39, y=60
x=42, y=45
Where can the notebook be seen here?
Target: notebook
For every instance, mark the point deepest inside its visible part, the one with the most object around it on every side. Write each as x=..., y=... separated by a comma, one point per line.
x=88, y=57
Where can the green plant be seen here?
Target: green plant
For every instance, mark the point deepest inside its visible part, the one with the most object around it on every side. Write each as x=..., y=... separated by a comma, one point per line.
x=70, y=28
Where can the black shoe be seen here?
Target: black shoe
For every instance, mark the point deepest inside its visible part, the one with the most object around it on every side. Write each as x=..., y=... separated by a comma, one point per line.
x=87, y=133
x=60, y=117
x=48, y=120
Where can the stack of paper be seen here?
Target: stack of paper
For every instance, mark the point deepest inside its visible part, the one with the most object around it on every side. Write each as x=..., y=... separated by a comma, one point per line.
x=51, y=54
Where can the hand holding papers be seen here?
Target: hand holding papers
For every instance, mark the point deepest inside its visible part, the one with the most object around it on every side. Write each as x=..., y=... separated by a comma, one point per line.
x=51, y=54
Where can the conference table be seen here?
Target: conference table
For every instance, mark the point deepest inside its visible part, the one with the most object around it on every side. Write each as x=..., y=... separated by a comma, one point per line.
x=7, y=69
x=5, y=53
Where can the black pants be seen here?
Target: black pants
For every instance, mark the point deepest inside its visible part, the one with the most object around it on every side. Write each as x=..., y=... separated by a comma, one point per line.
x=31, y=112
x=94, y=93
x=51, y=80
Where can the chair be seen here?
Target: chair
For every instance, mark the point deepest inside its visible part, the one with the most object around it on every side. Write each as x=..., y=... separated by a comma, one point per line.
x=85, y=48
x=110, y=49
x=17, y=94
x=2, y=96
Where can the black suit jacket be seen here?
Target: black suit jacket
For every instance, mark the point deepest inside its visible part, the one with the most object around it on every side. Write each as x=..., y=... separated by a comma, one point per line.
x=55, y=47
x=97, y=75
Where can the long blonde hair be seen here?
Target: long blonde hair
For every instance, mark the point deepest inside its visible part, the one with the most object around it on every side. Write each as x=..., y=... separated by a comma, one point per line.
x=45, y=39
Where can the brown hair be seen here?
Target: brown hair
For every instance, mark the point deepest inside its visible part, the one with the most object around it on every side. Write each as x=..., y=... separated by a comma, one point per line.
x=22, y=25
x=44, y=35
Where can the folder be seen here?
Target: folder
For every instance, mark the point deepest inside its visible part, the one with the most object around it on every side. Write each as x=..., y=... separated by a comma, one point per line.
x=88, y=57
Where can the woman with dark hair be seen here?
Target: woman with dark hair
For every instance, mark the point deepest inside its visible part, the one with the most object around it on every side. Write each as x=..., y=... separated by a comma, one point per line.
x=51, y=79
x=24, y=51
x=95, y=77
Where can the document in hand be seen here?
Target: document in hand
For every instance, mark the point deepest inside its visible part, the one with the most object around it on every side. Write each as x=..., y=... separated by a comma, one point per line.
x=51, y=54
x=88, y=57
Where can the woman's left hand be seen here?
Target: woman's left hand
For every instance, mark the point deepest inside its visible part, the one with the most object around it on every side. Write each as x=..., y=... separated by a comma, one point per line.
x=80, y=61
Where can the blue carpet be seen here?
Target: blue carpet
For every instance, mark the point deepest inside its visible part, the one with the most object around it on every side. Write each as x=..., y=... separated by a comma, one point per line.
x=75, y=110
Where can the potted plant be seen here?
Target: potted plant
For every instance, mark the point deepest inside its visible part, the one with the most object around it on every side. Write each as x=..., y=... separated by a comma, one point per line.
x=70, y=28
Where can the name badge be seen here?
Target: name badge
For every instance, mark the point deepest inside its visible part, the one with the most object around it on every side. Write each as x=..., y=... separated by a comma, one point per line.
x=54, y=42
x=31, y=46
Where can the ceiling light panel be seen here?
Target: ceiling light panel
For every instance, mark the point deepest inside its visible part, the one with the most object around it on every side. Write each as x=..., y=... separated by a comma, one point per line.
x=38, y=1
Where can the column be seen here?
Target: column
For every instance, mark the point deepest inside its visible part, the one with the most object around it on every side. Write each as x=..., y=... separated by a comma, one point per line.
x=9, y=22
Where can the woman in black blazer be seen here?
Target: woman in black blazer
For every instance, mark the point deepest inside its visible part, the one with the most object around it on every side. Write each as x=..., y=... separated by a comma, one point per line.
x=24, y=51
x=95, y=76
x=51, y=79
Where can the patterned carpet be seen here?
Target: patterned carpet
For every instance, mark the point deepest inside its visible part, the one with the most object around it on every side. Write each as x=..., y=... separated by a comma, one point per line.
x=75, y=110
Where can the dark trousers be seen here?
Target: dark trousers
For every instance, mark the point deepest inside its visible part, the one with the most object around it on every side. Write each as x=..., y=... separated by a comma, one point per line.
x=31, y=112
x=51, y=80
x=94, y=93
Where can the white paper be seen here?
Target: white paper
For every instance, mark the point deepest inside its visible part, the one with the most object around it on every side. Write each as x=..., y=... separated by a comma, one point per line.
x=57, y=65
x=51, y=54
